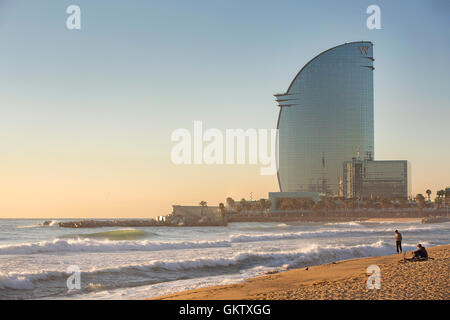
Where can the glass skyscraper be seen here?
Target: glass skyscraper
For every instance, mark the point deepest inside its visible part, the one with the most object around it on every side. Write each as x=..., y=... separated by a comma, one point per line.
x=325, y=119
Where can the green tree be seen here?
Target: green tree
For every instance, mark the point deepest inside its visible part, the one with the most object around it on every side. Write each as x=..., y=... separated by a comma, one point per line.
x=420, y=199
x=222, y=211
x=438, y=202
x=203, y=204
x=230, y=202
x=245, y=205
x=262, y=204
x=428, y=192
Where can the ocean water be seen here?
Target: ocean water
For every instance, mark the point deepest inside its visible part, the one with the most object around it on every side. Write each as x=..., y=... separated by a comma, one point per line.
x=135, y=263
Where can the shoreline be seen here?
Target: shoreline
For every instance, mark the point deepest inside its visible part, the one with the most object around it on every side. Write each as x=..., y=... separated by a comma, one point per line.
x=342, y=280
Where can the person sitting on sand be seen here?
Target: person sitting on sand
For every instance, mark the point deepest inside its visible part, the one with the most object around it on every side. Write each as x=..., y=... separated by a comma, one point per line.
x=421, y=253
x=398, y=241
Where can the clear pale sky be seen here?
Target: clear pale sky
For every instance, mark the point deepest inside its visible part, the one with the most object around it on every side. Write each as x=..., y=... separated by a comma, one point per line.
x=86, y=116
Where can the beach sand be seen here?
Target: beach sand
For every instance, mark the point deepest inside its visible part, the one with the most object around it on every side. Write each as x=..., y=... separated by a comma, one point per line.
x=342, y=280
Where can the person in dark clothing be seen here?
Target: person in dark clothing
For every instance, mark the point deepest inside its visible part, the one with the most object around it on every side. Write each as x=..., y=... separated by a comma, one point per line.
x=420, y=253
x=398, y=241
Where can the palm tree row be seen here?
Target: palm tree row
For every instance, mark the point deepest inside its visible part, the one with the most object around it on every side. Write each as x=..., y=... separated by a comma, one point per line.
x=329, y=204
x=246, y=206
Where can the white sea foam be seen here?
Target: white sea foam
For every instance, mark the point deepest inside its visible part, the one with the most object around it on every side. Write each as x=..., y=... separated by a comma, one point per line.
x=307, y=256
x=324, y=233
x=282, y=225
x=349, y=223
x=90, y=245
x=96, y=245
x=21, y=281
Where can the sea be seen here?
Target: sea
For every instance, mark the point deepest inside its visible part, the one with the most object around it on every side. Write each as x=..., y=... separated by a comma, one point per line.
x=50, y=262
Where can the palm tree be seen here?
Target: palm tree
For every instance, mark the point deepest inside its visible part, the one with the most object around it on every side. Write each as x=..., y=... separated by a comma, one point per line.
x=222, y=211
x=420, y=200
x=244, y=204
x=203, y=204
x=262, y=204
x=230, y=202
x=440, y=193
x=438, y=202
x=268, y=204
x=428, y=192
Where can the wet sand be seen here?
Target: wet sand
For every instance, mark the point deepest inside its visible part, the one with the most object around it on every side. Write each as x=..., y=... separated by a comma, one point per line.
x=343, y=280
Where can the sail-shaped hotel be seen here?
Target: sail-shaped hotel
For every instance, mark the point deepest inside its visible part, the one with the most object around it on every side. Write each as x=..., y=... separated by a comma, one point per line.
x=326, y=122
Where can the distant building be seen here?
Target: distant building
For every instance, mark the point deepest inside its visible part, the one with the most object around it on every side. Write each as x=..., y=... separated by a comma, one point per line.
x=370, y=179
x=161, y=218
x=276, y=197
x=193, y=213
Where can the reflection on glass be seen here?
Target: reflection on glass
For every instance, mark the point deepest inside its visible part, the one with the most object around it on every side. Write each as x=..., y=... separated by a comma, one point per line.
x=326, y=118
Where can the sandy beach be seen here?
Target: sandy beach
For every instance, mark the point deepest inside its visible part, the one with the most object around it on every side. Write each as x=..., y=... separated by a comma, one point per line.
x=343, y=280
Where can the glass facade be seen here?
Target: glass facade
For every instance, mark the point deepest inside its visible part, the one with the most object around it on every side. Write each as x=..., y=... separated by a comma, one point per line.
x=326, y=118
x=376, y=179
x=388, y=179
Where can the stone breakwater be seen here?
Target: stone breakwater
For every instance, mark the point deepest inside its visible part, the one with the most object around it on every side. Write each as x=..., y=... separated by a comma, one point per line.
x=127, y=223
x=107, y=223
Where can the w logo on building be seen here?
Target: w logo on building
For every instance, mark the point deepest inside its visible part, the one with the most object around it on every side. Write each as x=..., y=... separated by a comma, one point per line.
x=364, y=50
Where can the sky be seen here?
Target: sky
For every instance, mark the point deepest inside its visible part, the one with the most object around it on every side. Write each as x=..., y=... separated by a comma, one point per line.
x=86, y=115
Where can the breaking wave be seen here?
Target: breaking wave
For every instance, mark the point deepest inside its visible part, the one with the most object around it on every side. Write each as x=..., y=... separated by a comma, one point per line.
x=91, y=245
x=309, y=256
x=121, y=234
x=101, y=245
